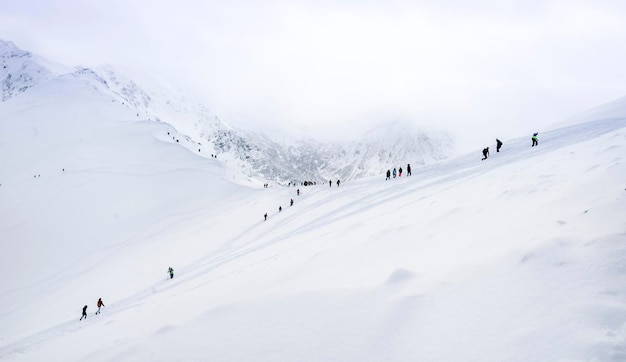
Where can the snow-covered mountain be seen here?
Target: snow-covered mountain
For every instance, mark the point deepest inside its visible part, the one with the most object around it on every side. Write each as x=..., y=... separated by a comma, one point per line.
x=104, y=184
x=248, y=155
x=516, y=258
x=21, y=70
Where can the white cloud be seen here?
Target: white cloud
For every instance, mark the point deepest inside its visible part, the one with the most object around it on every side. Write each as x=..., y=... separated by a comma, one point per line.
x=488, y=66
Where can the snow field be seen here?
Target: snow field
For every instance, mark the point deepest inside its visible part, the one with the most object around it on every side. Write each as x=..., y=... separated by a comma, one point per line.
x=515, y=258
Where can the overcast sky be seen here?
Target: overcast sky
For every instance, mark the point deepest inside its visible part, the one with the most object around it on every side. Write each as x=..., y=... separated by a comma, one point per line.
x=482, y=68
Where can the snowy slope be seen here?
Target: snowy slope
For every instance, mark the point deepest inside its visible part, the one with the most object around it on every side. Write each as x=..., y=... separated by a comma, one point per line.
x=516, y=258
x=83, y=157
x=610, y=110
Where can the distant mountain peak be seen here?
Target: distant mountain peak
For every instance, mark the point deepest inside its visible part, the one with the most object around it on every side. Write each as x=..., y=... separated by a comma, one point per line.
x=251, y=155
x=9, y=49
x=19, y=70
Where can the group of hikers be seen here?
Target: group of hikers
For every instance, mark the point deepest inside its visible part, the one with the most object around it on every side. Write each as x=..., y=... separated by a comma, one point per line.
x=390, y=173
x=302, y=183
x=306, y=183
x=311, y=183
x=535, y=142
x=486, y=150
x=398, y=172
x=100, y=304
x=280, y=208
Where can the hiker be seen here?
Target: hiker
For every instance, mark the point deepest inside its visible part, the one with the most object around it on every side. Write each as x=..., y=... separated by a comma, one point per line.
x=84, y=313
x=400, y=172
x=485, y=153
x=388, y=175
x=498, y=145
x=291, y=203
x=298, y=192
x=337, y=183
x=535, y=141
x=280, y=208
x=408, y=169
x=265, y=216
x=171, y=271
x=394, y=172
x=330, y=183
x=100, y=305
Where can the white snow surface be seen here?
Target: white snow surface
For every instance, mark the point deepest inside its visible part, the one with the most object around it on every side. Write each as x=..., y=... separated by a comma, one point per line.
x=521, y=257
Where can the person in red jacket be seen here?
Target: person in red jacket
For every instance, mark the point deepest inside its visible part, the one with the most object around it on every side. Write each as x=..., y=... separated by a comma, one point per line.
x=100, y=305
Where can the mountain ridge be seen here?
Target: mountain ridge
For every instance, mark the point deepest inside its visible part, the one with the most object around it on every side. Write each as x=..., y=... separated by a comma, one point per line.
x=248, y=155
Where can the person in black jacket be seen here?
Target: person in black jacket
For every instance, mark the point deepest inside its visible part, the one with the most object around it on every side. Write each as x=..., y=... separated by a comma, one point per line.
x=485, y=153
x=498, y=145
x=84, y=313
